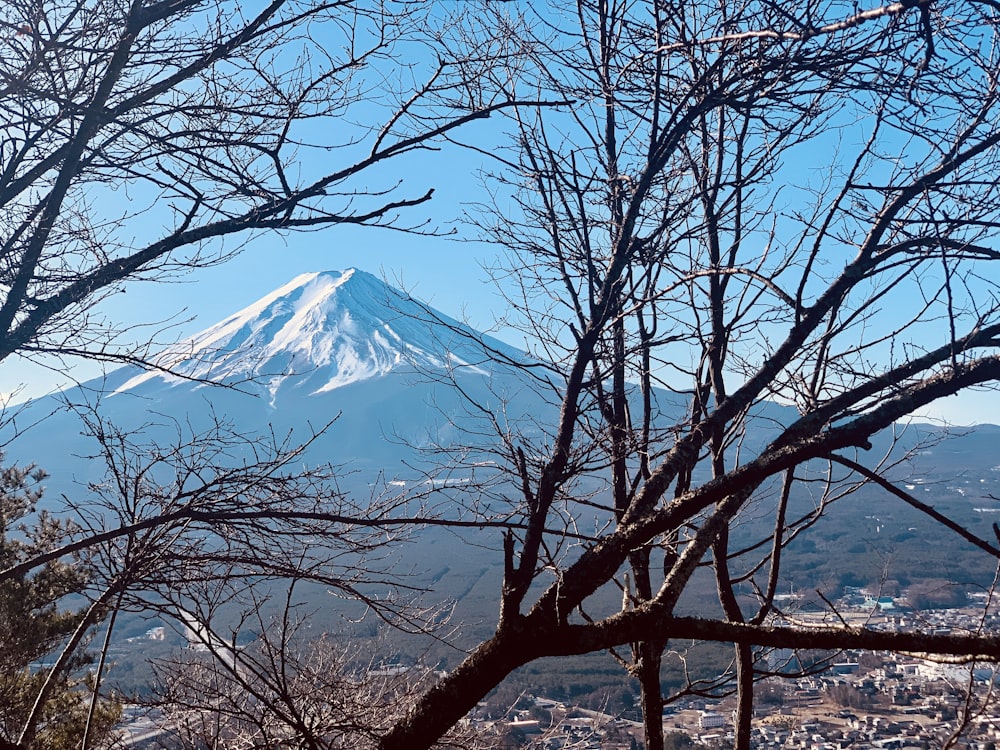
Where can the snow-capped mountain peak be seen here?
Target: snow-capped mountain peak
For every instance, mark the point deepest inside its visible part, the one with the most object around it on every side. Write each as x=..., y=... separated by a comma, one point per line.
x=320, y=331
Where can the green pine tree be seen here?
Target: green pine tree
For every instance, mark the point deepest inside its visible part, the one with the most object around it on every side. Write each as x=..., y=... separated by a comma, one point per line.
x=35, y=624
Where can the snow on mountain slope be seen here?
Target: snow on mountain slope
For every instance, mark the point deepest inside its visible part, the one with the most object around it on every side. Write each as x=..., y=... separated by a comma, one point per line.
x=339, y=359
x=319, y=332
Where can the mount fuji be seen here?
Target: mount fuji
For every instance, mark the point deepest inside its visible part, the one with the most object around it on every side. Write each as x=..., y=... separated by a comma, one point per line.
x=317, y=333
x=341, y=347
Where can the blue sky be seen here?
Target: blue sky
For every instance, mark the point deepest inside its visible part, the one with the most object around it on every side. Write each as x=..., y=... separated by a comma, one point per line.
x=446, y=272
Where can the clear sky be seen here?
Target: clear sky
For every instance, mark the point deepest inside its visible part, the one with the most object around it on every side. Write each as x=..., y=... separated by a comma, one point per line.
x=443, y=271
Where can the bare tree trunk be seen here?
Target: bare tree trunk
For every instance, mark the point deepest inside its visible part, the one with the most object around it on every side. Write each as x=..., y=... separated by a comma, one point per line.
x=446, y=703
x=648, y=659
x=651, y=663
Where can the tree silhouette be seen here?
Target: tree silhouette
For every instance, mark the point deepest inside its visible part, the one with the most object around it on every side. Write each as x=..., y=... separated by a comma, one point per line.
x=748, y=204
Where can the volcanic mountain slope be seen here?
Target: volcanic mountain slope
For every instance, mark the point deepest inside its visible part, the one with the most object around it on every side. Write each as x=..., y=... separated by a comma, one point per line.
x=320, y=332
x=339, y=347
x=390, y=380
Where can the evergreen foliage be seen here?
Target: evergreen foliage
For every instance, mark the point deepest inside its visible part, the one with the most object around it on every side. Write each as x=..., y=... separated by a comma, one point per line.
x=35, y=622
